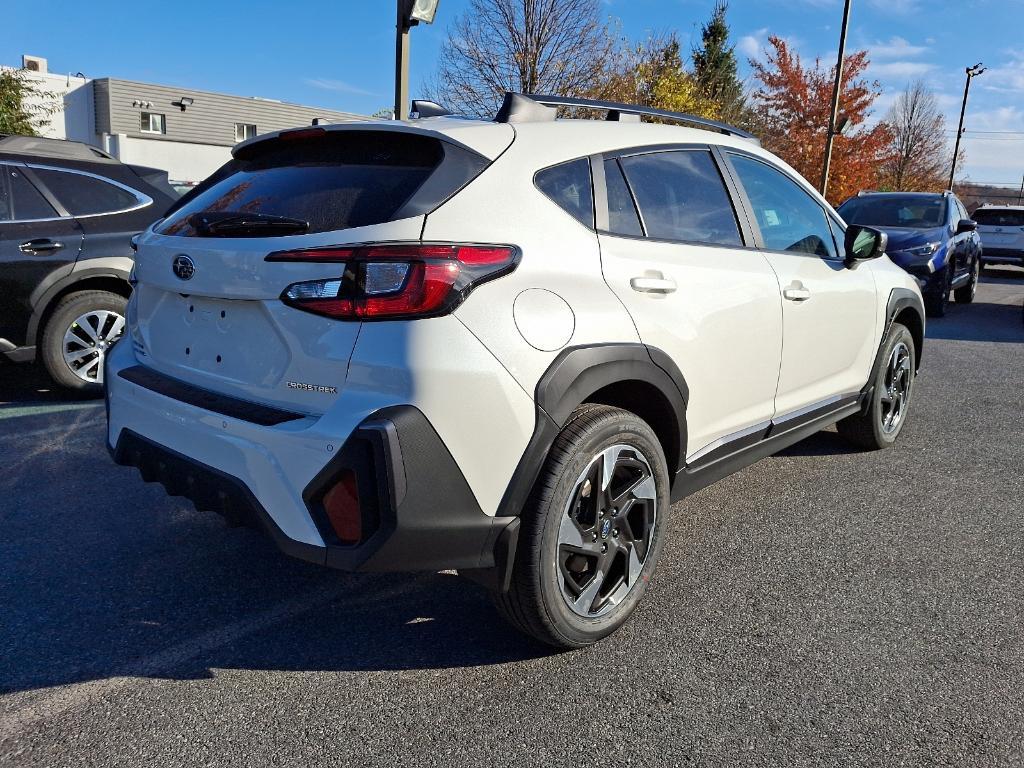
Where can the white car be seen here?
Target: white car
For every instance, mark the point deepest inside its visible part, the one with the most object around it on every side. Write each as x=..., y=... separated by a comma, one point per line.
x=1002, y=234
x=503, y=347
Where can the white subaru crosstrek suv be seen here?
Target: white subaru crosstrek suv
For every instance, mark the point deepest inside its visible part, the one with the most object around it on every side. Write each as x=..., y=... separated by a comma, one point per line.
x=503, y=347
x=1002, y=234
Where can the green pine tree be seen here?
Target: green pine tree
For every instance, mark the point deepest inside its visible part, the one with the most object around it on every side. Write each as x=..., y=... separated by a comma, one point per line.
x=714, y=66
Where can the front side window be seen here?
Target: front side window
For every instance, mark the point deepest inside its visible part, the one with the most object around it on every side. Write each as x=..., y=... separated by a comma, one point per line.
x=789, y=218
x=682, y=197
x=85, y=195
x=153, y=122
x=569, y=186
x=244, y=131
x=25, y=202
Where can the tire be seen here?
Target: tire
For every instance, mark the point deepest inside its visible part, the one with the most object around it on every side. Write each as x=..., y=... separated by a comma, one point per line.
x=874, y=429
x=564, y=531
x=936, y=301
x=77, y=334
x=966, y=294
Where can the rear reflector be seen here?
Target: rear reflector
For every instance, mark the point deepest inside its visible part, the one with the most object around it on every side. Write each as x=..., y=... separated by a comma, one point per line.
x=341, y=503
x=384, y=282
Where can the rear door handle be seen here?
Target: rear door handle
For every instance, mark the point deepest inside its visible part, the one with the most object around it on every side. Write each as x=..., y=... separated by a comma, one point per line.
x=652, y=284
x=796, y=293
x=41, y=245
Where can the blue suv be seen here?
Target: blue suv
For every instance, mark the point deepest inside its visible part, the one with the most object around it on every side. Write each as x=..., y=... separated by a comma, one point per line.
x=930, y=235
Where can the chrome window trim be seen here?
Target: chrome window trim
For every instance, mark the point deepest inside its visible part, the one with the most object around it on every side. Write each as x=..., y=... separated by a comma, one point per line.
x=143, y=200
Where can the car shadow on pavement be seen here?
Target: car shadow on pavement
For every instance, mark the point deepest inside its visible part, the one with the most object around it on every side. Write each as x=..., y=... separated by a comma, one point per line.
x=104, y=576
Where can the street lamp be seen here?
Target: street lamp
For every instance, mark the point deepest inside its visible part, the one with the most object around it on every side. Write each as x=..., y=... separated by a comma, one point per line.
x=972, y=72
x=834, y=114
x=410, y=13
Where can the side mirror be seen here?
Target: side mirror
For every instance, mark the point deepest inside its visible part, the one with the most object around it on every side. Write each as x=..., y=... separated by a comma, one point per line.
x=863, y=244
x=966, y=225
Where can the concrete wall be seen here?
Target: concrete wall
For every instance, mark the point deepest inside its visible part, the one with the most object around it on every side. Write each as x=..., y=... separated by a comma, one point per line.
x=183, y=161
x=65, y=123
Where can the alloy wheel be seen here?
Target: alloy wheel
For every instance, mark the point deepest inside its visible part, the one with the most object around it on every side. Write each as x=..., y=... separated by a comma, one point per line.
x=606, y=530
x=896, y=388
x=87, y=340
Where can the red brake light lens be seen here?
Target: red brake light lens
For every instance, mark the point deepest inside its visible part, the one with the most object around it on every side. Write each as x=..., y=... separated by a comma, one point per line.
x=341, y=503
x=382, y=282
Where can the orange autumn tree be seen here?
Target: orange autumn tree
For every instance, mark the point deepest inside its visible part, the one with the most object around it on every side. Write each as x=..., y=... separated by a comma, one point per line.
x=792, y=105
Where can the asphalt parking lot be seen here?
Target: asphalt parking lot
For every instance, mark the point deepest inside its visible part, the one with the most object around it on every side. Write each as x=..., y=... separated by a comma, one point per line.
x=823, y=607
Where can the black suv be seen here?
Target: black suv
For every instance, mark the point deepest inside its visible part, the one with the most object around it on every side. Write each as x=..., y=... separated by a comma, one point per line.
x=67, y=215
x=931, y=236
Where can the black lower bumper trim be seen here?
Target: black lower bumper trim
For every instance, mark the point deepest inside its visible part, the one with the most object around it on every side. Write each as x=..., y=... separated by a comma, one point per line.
x=424, y=515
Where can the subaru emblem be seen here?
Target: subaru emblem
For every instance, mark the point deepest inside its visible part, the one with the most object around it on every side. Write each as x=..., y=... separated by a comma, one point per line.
x=183, y=267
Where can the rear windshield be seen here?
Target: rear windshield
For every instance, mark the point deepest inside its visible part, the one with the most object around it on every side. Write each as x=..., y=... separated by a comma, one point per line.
x=995, y=218
x=334, y=180
x=911, y=212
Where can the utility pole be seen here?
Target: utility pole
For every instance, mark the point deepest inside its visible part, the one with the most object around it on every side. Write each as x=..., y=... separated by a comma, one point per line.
x=410, y=13
x=972, y=72
x=834, y=114
x=1020, y=197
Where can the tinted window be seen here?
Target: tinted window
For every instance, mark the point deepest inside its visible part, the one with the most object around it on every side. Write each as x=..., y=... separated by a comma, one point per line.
x=789, y=218
x=570, y=186
x=682, y=197
x=337, y=180
x=84, y=195
x=910, y=212
x=26, y=201
x=993, y=217
x=622, y=215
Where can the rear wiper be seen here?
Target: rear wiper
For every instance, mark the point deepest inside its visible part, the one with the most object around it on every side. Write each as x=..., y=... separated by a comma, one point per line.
x=231, y=224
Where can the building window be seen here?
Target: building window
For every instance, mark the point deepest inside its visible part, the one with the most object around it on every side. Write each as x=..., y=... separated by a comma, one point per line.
x=244, y=131
x=153, y=123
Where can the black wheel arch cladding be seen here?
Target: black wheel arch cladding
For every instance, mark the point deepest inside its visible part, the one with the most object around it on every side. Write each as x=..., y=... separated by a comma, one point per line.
x=632, y=376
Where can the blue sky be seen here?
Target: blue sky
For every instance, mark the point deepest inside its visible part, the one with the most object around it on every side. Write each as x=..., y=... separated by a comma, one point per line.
x=340, y=54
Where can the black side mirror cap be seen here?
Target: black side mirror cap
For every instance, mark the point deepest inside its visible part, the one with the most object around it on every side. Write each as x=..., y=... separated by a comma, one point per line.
x=966, y=225
x=864, y=244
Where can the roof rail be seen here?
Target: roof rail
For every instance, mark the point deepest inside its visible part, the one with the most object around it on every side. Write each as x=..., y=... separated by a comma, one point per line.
x=520, y=107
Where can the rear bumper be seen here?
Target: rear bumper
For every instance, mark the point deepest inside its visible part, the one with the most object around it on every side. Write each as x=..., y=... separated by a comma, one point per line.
x=418, y=512
x=1003, y=256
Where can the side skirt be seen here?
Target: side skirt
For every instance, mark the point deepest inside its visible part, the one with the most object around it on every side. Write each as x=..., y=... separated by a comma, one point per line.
x=740, y=453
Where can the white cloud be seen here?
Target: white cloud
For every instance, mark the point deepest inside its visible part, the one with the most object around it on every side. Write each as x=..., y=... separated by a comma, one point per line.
x=895, y=48
x=753, y=44
x=335, y=85
x=900, y=69
x=1007, y=77
x=896, y=7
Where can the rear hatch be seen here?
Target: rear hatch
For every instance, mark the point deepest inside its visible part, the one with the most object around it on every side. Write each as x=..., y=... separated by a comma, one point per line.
x=1001, y=229
x=209, y=306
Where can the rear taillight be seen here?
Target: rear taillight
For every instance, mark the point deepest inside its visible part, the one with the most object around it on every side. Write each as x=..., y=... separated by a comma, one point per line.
x=382, y=282
x=341, y=503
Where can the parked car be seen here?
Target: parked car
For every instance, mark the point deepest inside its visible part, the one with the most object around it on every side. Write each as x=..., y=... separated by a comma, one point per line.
x=503, y=347
x=67, y=214
x=930, y=235
x=1001, y=228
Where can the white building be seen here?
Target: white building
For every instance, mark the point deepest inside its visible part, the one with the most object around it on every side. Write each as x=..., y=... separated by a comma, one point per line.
x=189, y=133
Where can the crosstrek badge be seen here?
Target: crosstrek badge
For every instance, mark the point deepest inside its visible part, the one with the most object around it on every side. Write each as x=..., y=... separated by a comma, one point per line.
x=312, y=387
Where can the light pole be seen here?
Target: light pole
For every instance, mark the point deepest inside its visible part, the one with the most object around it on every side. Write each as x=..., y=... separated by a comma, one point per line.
x=834, y=114
x=972, y=72
x=410, y=13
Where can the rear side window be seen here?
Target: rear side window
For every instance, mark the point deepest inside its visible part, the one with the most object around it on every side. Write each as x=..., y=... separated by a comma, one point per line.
x=992, y=217
x=569, y=185
x=682, y=197
x=86, y=195
x=622, y=216
x=25, y=201
x=335, y=180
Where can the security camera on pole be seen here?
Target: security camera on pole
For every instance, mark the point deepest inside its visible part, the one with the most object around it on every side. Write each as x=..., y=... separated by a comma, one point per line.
x=410, y=13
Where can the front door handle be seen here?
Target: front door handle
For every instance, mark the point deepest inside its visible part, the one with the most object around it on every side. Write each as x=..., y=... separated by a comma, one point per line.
x=796, y=292
x=40, y=245
x=652, y=284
